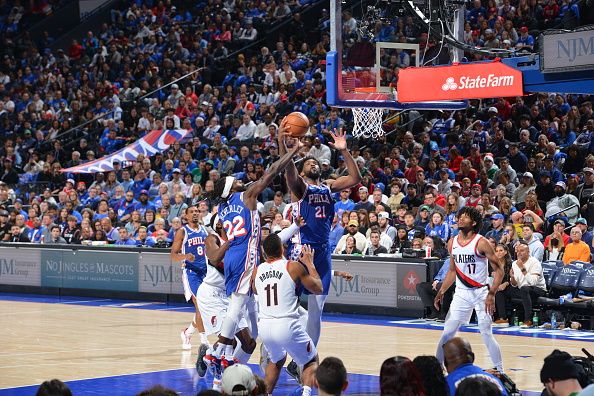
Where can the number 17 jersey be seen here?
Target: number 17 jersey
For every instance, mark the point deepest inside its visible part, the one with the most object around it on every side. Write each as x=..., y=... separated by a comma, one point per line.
x=472, y=268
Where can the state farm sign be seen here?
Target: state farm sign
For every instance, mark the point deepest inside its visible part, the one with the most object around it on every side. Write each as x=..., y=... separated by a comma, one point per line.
x=459, y=82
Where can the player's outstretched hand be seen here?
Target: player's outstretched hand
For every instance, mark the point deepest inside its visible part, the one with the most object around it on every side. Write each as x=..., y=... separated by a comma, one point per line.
x=339, y=136
x=300, y=221
x=307, y=255
x=344, y=275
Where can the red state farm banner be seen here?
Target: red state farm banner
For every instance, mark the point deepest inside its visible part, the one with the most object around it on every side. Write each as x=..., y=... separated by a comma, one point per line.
x=459, y=82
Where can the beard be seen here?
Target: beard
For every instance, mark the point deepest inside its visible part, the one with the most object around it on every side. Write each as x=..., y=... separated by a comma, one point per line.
x=465, y=229
x=313, y=174
x=241, y=188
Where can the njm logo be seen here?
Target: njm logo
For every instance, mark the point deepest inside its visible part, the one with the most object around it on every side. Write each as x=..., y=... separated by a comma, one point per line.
x=341, y=286
x=157, y=274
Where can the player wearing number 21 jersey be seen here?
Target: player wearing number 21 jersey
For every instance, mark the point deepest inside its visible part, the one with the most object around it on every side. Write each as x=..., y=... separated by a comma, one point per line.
x=311, y=199
x=241, y=223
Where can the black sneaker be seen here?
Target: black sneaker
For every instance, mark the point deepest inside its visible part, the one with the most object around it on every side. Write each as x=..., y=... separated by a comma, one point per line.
x=200, y=365
x=293, y=371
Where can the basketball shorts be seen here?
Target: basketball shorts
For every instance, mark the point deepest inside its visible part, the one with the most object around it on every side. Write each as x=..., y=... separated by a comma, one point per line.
x=239, y=265
x=191, y=281
x=322, y=262
x=287, y=336
x=467, y=300
x=213, y=303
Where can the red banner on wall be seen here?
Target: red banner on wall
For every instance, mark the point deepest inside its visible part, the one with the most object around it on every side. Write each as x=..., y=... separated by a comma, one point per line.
x=459, y=82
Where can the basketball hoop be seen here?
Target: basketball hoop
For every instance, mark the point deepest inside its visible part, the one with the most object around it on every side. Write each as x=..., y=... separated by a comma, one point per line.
x=368, y=122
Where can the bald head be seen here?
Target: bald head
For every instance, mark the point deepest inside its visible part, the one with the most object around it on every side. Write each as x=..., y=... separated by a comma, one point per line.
x=457, y=352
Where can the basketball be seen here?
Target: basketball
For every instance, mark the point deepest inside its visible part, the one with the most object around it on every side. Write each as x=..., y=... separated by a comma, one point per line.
x=299, y=123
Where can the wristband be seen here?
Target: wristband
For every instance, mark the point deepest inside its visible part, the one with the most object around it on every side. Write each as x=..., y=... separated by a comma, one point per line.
x=333, y=273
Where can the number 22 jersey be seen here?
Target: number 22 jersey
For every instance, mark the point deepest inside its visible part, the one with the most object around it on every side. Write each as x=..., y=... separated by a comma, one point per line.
x=242, y=227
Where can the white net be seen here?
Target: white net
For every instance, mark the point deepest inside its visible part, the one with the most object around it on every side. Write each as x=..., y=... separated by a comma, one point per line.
x=368, y=122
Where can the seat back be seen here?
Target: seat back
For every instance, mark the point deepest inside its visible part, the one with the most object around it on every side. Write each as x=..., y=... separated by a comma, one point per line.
x=581, y=264
x=566, y=279
x=586, y=283
x=549, y=269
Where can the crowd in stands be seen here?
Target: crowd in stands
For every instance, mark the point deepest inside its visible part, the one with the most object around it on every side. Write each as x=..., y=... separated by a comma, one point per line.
x=560, y=375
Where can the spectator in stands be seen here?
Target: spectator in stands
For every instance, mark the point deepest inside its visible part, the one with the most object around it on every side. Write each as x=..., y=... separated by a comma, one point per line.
x=576, y=250
x=582, y=224
x=399, y=376
x=526, y=282
x=55, y=238
x=16, y=235
x=373, y=246
x=585, y=191
x=534, y=244
x=477, y=386
x=459, y=359
x=53, y=387
x=331, y=377
x=560, y=374
x=432, y=375
x=125, y=238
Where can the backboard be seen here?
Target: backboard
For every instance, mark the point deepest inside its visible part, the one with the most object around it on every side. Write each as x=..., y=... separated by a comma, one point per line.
x=362, y=66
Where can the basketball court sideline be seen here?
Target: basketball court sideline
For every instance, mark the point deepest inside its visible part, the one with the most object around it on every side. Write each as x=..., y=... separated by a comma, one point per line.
x=122, y=347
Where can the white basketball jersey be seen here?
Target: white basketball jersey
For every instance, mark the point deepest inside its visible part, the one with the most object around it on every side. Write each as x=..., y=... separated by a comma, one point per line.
x=276, y=290
x=472, y=269
x=213, y=277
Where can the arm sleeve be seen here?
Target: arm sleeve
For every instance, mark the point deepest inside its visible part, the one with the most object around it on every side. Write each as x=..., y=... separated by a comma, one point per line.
x=288, y=233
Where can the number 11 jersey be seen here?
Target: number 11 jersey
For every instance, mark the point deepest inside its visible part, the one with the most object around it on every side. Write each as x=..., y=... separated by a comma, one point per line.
x=277, y=297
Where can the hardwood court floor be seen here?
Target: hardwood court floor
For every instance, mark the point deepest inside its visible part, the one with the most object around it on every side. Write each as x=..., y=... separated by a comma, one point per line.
x=70, y=341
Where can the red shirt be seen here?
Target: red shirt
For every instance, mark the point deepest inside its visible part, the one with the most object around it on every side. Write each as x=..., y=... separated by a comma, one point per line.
x=411, y=173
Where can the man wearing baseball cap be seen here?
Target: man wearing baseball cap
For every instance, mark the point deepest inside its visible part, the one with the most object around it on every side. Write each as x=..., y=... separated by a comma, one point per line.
x=587, y=236
x=560, y=374
x=498, y=220
x=565, y=203
x=238, y=380
x=585, y=191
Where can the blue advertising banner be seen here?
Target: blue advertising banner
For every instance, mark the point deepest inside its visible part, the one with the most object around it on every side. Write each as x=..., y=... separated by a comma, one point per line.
x=90, y=270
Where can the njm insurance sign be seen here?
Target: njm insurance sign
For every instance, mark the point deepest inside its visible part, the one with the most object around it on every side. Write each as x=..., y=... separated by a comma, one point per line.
x=563, y=52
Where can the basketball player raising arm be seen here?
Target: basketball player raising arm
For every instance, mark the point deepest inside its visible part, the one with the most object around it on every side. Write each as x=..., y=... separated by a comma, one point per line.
x=241, y=222
x=469, y=267
x=312, y=199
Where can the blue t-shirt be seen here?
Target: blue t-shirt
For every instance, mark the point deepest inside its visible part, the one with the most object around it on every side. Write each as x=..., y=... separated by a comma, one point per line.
x=467, y=371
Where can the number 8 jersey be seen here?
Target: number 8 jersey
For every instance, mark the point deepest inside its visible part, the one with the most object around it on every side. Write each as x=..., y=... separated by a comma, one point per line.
x=277, y=297
x=242, y=227
x=472, y=268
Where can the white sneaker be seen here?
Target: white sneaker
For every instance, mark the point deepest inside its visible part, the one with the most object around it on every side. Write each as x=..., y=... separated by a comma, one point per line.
x=264, y=358
x=186, y=344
